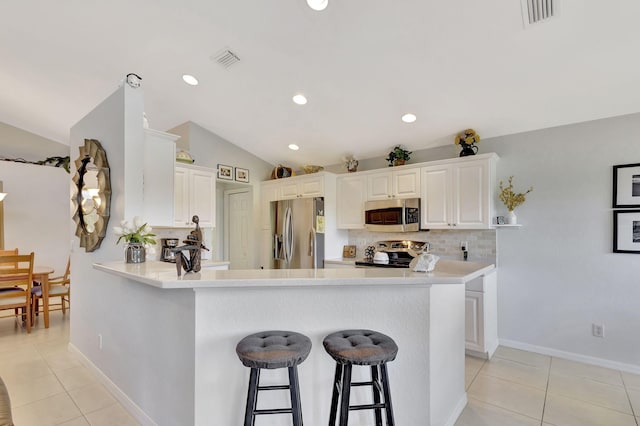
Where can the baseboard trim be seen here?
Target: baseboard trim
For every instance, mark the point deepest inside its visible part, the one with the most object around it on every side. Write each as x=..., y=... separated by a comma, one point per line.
x=117, y=393
x=457, y=411
x=572, y=356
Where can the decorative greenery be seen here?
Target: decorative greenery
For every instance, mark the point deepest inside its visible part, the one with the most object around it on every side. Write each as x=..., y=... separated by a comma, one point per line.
x=139, y=233
x=398, y=153
x=56, y=161
x=467, y=138
x=350, y=162
x=510, y=199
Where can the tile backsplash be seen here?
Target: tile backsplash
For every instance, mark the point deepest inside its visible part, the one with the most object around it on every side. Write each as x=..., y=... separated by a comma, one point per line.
x=482, y=243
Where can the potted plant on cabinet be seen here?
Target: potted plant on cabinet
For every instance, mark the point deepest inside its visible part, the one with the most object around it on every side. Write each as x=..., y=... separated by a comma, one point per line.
x=398, y=156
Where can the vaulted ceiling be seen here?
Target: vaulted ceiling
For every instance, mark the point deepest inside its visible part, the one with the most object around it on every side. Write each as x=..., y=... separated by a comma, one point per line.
x=361, y=63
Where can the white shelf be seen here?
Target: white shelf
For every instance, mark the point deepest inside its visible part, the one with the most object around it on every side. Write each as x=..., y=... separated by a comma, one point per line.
x=507, y=226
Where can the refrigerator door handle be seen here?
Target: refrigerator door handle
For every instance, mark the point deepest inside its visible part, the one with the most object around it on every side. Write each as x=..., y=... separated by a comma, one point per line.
x=312, y=246
x=287, y=235
x=276, y=246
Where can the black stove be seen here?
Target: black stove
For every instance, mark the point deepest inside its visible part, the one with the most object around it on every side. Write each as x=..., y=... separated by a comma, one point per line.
x=400, y=253
x=393, y=263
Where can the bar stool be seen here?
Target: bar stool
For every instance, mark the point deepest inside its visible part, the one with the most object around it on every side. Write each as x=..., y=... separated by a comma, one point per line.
x=272, y=350
x=361, y=347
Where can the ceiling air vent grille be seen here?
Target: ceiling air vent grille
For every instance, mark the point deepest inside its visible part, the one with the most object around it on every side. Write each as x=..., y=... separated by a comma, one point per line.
x=226, y=58
x=537, y=11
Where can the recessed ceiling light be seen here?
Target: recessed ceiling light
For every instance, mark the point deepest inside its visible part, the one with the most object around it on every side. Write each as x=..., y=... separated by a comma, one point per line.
x=190, y=80
x=409, y=118
x=294, y=147
x=300, y=99
x=318, y=4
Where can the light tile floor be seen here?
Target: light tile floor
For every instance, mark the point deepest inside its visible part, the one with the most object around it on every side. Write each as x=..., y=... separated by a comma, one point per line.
x=49, y=386
x=523, y=388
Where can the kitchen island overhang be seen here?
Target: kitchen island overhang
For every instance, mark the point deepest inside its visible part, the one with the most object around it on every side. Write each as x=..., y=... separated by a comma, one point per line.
x=422, y=312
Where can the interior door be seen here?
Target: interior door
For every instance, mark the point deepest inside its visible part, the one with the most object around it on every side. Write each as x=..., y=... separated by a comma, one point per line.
x=239, y=228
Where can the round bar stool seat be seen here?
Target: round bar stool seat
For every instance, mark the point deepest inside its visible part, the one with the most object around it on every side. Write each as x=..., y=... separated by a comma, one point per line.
x=363, y=348
x=271, y=350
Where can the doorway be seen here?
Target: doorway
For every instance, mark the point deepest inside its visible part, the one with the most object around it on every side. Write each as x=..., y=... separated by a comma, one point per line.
x=237, y=227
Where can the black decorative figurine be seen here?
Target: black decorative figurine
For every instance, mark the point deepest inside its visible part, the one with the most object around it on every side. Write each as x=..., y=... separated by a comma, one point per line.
x=194, y=245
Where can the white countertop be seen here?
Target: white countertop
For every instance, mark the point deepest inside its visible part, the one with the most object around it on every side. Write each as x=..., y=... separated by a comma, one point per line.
x=164, y=275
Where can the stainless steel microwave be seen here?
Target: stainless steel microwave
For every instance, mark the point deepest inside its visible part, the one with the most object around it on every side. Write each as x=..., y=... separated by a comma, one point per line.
x=392, y=215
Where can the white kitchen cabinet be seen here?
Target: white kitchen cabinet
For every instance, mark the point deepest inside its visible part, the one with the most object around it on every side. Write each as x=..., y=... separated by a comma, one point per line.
x=158, y=177
x=394, y=184
x=351, y=195
x=458, y=195
x=270, y=191
x=481, y=317
x=194, y=194
x=301, y=187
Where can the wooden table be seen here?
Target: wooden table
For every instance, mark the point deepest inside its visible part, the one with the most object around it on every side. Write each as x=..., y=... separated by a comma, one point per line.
x=41, y=274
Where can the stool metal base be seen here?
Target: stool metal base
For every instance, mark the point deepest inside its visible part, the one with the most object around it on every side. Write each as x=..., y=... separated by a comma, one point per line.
x=342, y=389
x=251, y=410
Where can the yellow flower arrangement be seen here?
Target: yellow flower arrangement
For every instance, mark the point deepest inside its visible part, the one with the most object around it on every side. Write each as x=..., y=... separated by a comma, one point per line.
x=467, y=137
x=510, y=199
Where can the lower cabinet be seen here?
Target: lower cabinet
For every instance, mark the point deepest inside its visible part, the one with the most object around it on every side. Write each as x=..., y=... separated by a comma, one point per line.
x=481, y=316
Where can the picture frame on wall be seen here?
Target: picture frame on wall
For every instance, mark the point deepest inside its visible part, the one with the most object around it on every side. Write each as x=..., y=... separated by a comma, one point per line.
x=626, y=185
x=626, y=231
x=225, y=172
x=242, y=175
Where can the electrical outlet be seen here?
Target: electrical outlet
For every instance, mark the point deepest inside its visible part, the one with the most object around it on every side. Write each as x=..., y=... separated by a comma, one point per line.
x=100, y=341
x=597, y=330
x=464, y=245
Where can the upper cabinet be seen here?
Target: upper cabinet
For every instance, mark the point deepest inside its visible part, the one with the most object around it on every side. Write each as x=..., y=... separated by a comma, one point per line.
x=394, y=184
x=351, y=195
x=458, y=195
x=301, y=187
x=158, y=177
x=194, y=194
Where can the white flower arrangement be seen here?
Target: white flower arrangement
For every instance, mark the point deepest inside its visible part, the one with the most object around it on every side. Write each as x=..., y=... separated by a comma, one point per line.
x=140, y=232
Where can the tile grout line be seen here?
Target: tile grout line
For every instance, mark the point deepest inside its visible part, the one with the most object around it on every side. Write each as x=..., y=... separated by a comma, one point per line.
x=505, y=409
x=546, y=391
x=626, y=391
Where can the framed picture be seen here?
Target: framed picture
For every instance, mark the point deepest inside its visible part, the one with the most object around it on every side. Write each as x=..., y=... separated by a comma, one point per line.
x=626, y=185
x=242, y=175
x=225, y=172
x=626, y=231
x=349, y=251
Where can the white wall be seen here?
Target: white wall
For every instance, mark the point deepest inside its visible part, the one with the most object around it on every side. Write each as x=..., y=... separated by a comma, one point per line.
x=558, y=274
x=36, y=212
x=18, y=143
x=138, y=341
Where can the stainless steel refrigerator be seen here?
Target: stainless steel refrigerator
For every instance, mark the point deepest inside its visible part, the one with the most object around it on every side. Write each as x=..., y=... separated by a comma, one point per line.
x=298, y=240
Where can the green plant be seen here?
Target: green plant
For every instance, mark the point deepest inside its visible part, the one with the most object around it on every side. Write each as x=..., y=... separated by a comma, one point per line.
x=139, y=233
x=398, y=153
x=510, y=199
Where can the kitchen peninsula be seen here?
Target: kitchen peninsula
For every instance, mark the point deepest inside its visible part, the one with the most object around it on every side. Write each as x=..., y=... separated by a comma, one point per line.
x=423, y=312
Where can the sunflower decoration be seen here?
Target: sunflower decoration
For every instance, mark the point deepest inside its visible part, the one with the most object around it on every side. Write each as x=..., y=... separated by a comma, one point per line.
x=468, y=140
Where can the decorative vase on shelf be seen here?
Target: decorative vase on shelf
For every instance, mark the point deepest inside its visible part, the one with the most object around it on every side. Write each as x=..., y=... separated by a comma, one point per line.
x=468, y=150
x=399, y=162
x=511, y=218
x=135, y=253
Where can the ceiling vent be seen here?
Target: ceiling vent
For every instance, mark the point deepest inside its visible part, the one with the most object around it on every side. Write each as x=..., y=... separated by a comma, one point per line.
x=226, y=58
x=538, y=11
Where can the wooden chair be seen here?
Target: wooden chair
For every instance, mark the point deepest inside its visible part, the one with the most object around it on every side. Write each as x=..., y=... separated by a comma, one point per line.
x=14, y=265
x=8, y=253
x=17, y=277
x=58, y=287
